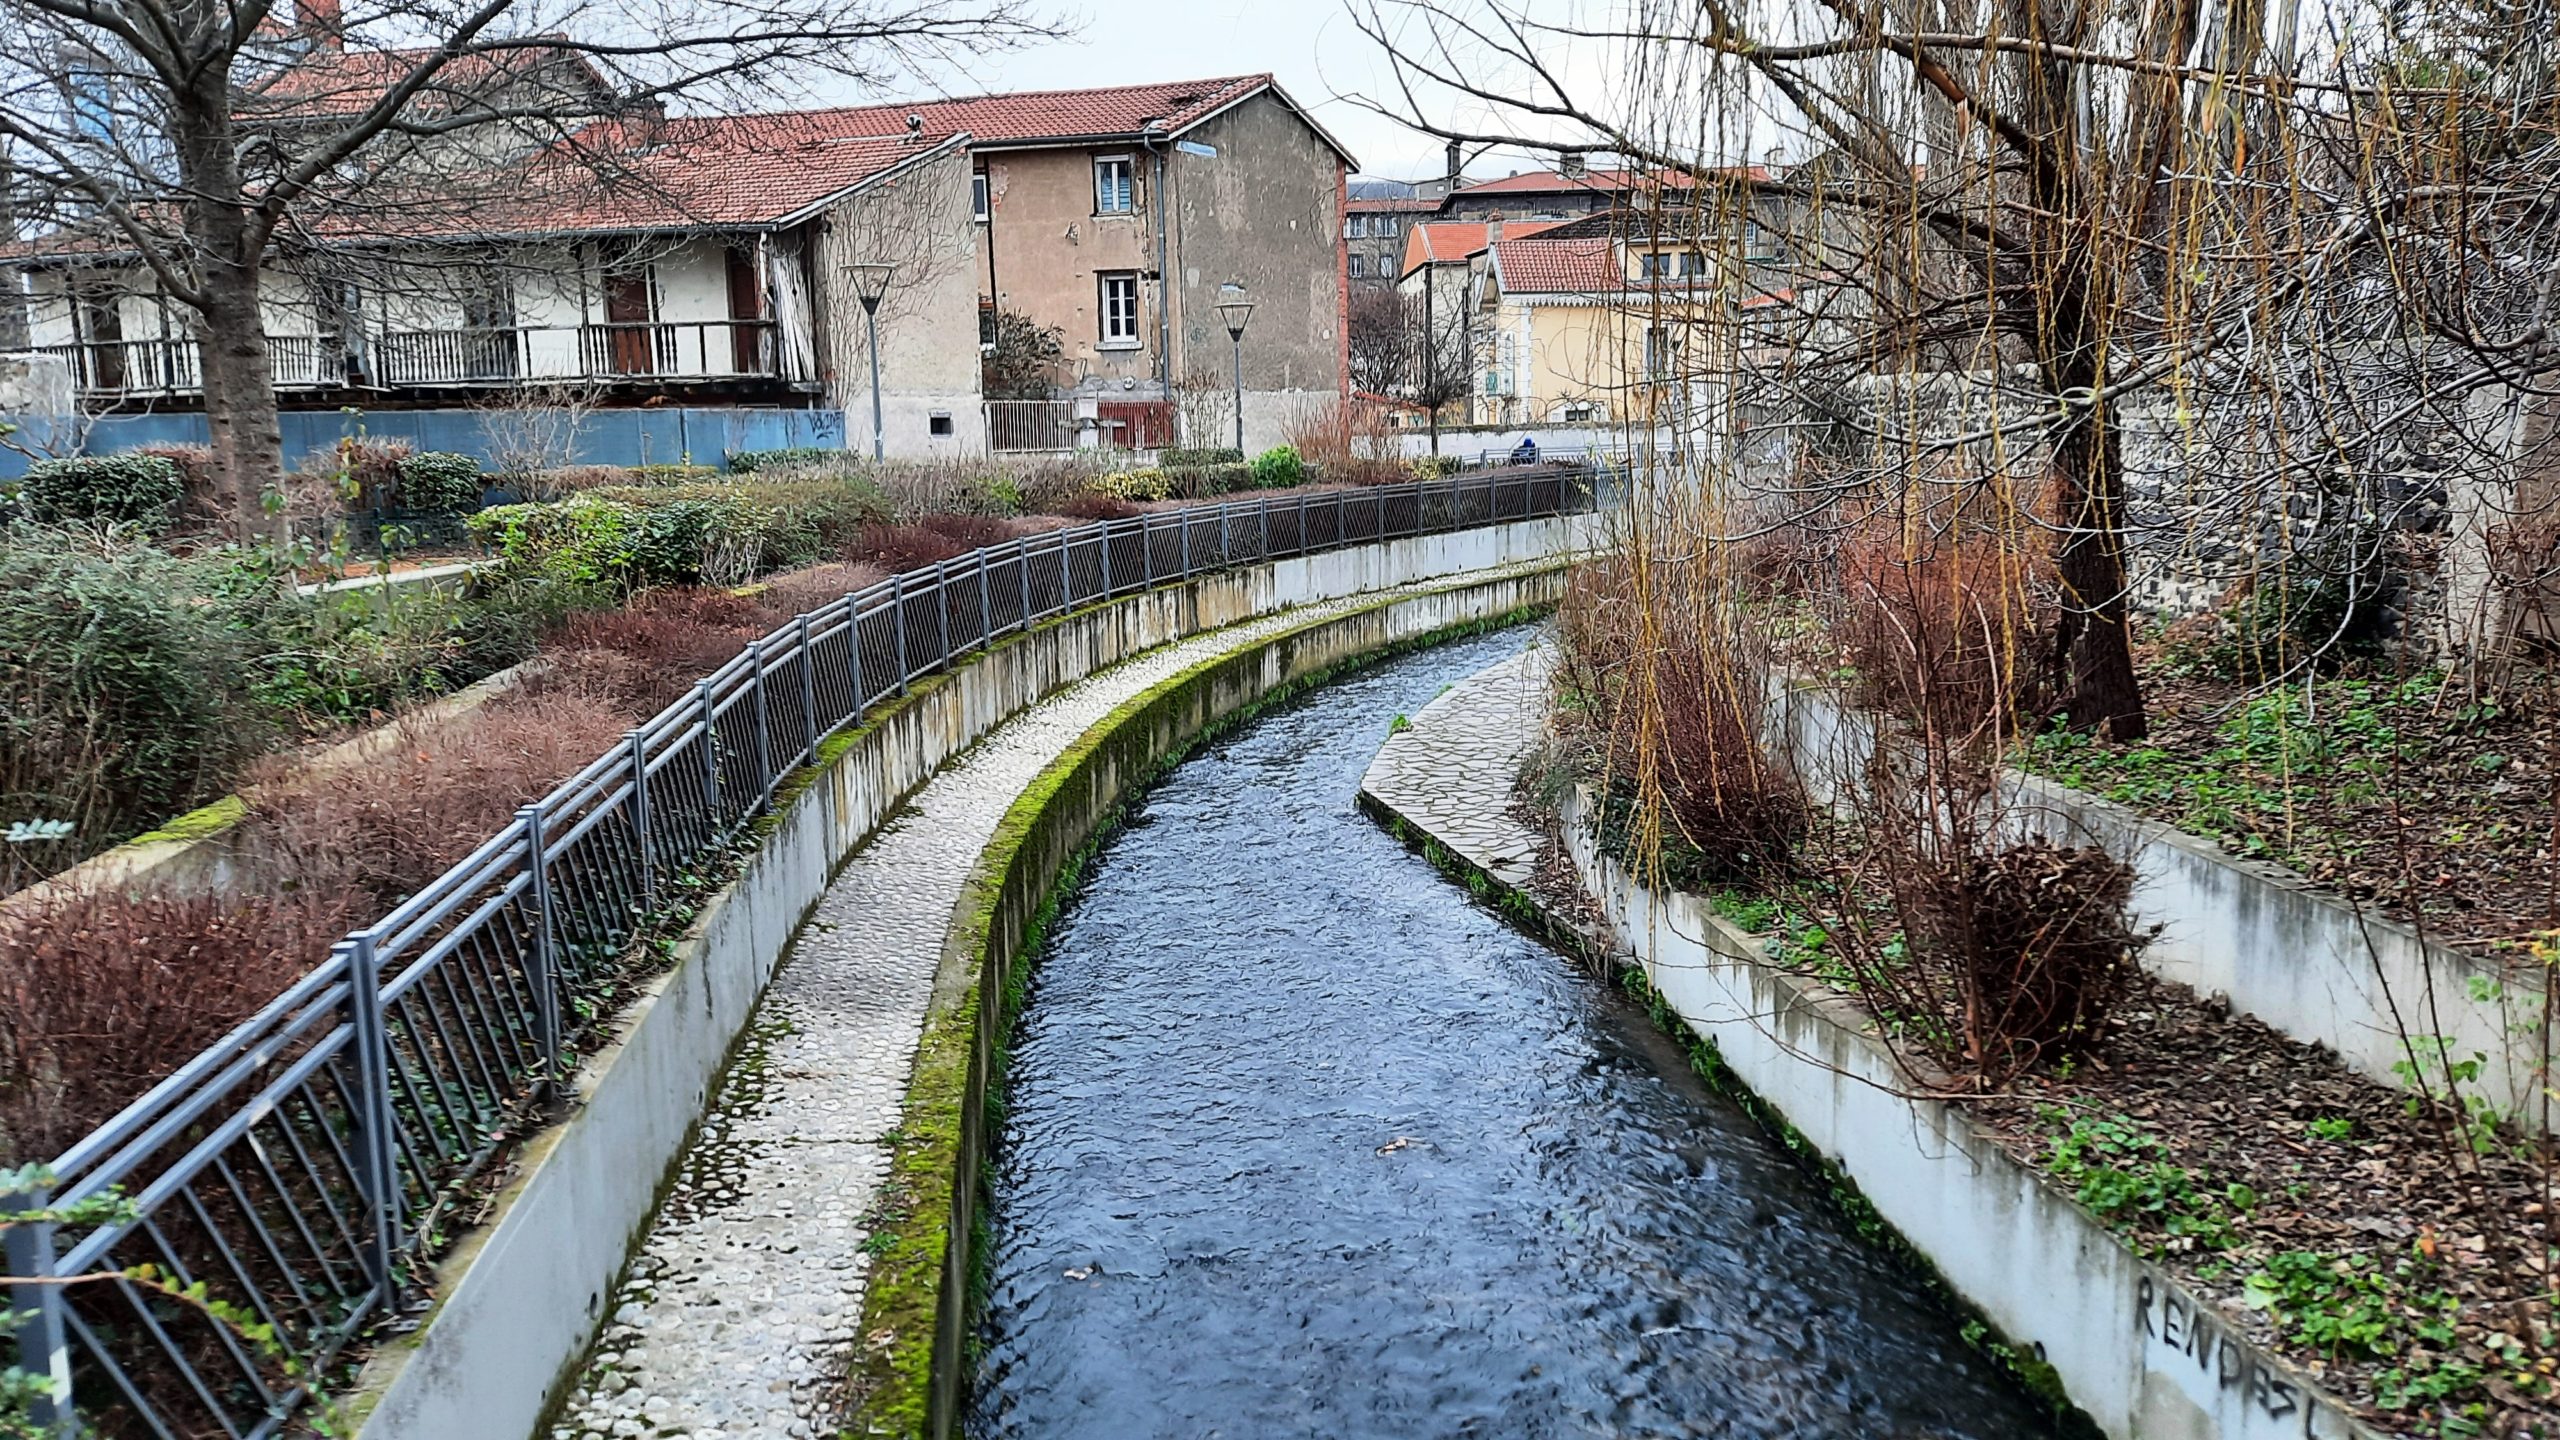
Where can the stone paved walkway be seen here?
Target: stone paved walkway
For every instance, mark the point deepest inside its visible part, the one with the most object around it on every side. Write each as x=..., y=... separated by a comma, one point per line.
x=1452, y=772
x=738, y=1316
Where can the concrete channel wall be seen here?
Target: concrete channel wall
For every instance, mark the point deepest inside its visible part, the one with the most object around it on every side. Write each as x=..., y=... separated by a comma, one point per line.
x=520, y=1298
x=2137, y=1351
x=2307, y=963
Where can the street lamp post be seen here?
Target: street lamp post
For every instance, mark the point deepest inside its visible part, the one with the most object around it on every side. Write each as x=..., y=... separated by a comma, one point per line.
x=870, y=282
x=1236, y=310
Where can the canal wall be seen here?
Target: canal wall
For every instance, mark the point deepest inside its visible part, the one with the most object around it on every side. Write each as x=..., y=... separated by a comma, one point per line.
x=2143, y=1356
x=519, y=1299
x=916, y=1314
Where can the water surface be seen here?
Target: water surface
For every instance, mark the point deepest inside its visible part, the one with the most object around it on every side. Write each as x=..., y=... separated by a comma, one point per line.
x=1301, y=1141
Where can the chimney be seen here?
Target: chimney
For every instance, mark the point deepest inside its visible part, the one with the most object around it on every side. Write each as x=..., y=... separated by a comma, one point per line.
x=1575, y=164
x=1493, y=227
x=1454, y=177
x=322, y=22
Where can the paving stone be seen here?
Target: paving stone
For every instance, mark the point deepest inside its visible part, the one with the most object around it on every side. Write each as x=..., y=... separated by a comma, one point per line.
x=1453, y=769
x=742, y=1302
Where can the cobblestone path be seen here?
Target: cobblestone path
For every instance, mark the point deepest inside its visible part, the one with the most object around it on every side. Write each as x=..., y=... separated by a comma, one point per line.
x=1451, y=772
x=738, y=1315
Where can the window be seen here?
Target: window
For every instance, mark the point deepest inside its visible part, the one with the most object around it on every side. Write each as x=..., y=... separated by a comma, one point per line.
x=1354, y=226
x=1383, y=226
x=978, y=197
x=1359, y=266
x=938, y=423
x=1653, y=265
x=1661, y=350
x=1112, y=192
x=1120, y=308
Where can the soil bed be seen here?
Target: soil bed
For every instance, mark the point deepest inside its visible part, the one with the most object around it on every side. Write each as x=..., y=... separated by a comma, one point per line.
x=2410, y=794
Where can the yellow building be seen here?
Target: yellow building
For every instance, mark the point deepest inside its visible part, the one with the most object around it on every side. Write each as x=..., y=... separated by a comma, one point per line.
x=1595, y=328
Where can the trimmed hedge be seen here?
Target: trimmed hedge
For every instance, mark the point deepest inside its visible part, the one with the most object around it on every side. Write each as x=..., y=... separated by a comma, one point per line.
x=1145, y=484
x=711, y=533
x=439, y=482
x=1179, y=458
x=748, y=462
x=136, y=489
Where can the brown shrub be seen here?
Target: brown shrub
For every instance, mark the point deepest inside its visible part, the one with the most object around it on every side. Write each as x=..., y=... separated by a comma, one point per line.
x=900, y=548
x=802, y=591
x=1948, y=628
x=195, y=472
x=568, y=480
x=1668, y=709
x=968, y=531
x=439, y=789
x=2041, y=937
x=646, y=654
x=1346, y=440
x=105, y=995
x=1091, y=506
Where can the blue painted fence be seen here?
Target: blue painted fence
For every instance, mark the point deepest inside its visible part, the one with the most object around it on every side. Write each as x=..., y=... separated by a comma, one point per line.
x=669, y=436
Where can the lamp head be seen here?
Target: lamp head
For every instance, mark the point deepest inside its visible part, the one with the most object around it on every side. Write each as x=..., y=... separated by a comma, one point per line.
x=1235, y=309
x=871, y=281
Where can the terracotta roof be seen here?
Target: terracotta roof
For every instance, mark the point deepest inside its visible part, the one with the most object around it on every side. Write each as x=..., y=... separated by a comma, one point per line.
x=736, y=171
x=1449, y=241
x=1031, y=117
x=334, y=84
x=1548, y=182
x=1583, y=265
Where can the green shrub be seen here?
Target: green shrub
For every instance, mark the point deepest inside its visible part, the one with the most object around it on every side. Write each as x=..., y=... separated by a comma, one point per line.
x=125, y=690
x=1432, y=467
x=1194, y=482
x=661, y=474
x=748, y=462
x=137, y=489
x=1180, y=458
x=439, y=482
x=1136, y=485
x=715, y=533
x=1278, y=468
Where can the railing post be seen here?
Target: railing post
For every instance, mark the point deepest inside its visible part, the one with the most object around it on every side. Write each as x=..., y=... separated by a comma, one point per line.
x=808, y=690
x=942, y=609
x=898, y=622
x=377, y=1168
x=1106, y=559
x=542, y=969
x=1146, y=552
x=764, y=738
x=1022, y=562
x=1303, y=546
x=35, y=1311
x=1185, y=518
x=710, y=752
x=640, y=819
x=986, y=604
x=1226, y=556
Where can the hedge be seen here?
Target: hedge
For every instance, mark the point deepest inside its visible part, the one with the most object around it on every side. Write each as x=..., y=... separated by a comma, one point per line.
x=137, y=489
x=715, y=533
x=748, y=462
x=438, y=482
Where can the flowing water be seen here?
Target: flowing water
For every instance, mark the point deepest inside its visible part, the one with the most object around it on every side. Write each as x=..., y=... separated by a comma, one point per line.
x=1301, y=1141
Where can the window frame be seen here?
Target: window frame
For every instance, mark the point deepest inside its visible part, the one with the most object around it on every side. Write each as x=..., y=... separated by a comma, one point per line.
x=982, y=197
x=1359, y=265
x=1127, y=190
x=1104, y=280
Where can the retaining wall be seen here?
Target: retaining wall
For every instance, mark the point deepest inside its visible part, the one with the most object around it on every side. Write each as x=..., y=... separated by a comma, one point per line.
x=2137, y=1351
x=2305, y=962
x=521, y=1297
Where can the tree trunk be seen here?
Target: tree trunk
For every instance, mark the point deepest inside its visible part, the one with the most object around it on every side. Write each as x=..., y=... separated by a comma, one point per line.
x=2094, y=641
x=246, y=434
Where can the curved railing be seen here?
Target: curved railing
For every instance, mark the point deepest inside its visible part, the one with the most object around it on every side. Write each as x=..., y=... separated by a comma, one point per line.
x=296, y=1169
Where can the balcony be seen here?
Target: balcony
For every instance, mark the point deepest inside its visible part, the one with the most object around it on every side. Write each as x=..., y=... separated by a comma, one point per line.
x=652, y=353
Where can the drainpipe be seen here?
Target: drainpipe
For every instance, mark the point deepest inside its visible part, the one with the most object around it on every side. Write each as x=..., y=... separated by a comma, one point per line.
x=1164, y=272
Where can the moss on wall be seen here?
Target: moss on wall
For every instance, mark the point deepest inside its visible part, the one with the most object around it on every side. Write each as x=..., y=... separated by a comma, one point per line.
x=915, y=1354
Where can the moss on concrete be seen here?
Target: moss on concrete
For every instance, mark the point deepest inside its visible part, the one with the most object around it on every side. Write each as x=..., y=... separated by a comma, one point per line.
x=196, y=824
x=921, y=1302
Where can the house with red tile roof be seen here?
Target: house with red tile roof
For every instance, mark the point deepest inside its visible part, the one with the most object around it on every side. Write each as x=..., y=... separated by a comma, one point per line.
x=718, y=260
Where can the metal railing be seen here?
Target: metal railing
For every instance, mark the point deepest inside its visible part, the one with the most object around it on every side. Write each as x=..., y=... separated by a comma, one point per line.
x=298, y=1167
x=1021, y=427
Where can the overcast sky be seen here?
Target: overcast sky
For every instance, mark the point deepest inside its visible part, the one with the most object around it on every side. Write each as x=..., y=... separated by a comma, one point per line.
x=1311, y=45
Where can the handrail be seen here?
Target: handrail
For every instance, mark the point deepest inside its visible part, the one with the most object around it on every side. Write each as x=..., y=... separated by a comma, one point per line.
x=288, y=1167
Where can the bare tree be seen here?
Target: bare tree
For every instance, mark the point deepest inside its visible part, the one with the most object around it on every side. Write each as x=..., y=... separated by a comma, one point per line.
x=201, y=139
x=2083, y=205
x=1383, y=343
